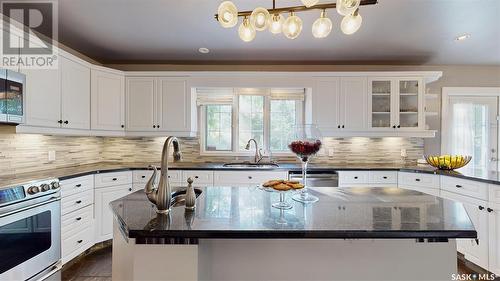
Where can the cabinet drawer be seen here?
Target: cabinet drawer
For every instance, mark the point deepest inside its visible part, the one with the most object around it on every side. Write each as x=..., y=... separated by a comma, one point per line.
x=494, y=195
x=247, y=177
x=470, y=188
x=426, y=190
x=353, y=178
x=77, y=201
x=142, y=176
x=72, y=246
x=199, y=177
x=112, y=179
x=418, y=180
x=76, y=185
x=76, y=221
x=384, y=177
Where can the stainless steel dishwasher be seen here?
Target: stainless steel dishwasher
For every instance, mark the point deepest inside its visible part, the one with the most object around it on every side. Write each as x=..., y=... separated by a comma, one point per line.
x=317, y=178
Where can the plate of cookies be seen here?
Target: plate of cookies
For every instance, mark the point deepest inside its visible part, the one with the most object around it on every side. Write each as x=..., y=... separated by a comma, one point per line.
x=282, y=185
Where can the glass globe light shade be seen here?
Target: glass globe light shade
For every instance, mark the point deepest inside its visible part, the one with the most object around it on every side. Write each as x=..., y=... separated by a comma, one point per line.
x=246, y=31
x=292, y=26
x=322, y=26
x=351, y=23
x=260, y=18
x=276, y=23
x=309, y=3
x=227, y=14
x=347, y=7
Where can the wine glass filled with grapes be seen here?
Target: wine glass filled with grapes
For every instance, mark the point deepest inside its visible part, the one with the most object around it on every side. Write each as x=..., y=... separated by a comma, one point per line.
x=305, y=143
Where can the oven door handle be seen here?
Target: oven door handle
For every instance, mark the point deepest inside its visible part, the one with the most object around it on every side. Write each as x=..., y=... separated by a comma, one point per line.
x=52, y=199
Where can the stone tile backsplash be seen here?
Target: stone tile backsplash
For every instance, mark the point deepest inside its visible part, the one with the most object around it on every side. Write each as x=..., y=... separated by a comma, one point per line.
x=21, y=153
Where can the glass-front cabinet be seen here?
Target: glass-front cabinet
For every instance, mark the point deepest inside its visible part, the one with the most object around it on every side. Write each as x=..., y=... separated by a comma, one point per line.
x=396, y=103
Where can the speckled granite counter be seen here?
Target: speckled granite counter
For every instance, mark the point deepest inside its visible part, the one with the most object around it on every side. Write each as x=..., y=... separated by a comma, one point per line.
x=103, y=167
x=246, y=212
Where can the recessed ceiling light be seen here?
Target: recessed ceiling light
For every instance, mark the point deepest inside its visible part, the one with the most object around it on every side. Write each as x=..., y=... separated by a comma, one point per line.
x=204, y=50
x=462, y=37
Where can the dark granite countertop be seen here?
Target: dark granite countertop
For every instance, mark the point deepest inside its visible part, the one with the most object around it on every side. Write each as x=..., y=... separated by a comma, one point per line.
x=103, y=167
x=350, y=213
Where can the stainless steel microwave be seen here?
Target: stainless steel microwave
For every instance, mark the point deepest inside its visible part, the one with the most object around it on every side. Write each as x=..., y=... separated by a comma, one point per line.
x=12, y=100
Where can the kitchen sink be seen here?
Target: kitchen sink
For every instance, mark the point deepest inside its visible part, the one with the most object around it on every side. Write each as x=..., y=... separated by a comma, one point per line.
x=179, y=197
x=250, y=165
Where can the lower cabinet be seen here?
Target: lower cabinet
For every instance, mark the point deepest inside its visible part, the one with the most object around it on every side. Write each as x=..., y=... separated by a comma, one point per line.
x=474, y=250
x=246, y=178
x=494, y=237
x=368, y=178
x=103, y=214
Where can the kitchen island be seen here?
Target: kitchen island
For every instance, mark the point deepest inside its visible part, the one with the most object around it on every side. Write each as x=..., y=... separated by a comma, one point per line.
x=235, y=234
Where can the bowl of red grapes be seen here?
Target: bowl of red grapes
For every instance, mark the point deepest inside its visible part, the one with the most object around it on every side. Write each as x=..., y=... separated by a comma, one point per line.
x=305, y=148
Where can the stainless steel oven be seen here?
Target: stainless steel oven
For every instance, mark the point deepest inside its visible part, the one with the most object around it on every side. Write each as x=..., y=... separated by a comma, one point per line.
x=12, y=100
x=30, y=231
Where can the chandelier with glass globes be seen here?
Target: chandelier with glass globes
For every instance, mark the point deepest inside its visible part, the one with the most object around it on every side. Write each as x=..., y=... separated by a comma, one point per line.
x=274, y=19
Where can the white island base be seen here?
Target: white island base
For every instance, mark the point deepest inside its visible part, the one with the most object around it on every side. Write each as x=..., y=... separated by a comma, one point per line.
x=284, y=259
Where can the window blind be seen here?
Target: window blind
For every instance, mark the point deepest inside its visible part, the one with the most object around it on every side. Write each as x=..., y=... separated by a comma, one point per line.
x=288, y=94
x=207, y=96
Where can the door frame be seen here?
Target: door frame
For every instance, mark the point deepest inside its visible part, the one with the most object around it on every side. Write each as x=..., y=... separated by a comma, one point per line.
x=447, y=92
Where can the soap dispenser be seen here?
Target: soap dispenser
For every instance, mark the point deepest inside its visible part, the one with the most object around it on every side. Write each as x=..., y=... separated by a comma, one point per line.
x=190, y=201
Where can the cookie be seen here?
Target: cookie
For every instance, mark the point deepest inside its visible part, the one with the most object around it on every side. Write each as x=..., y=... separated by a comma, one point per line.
x=296, y=186
x=271, y=183
x=282, y=187
x=292, y=182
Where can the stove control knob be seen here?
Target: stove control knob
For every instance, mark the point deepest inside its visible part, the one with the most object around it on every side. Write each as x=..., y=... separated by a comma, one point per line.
x=45, y=187
x=33, y=189
x=55, y=185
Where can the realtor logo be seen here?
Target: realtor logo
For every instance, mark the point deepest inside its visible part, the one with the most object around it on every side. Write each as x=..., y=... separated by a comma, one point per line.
x=29, y=33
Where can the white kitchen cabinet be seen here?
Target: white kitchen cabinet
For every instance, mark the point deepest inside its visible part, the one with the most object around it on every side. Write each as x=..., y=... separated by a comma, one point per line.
x=43, y=97
x=103, y=214
x=474, y=250
x=107, y=100
x=325, y=101
x=353, y=105
x=494, y=237
x=396, y=103
x=161, y=105
x=246, y=178
x=368, y=178
x=75, y=94
x=340, y=104
x=141, y=104
x=174, y=105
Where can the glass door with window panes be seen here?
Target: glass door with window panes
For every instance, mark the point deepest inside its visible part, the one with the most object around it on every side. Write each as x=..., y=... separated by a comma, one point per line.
x=473, y=130
x=408, y=103
x=381, y=101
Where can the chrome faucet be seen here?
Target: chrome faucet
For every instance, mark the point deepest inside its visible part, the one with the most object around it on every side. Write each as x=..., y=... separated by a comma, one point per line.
x=161, y=195
x=258, y=152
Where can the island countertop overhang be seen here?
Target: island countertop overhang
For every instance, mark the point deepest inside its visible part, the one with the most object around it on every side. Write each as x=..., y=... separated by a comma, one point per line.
x=347, y=213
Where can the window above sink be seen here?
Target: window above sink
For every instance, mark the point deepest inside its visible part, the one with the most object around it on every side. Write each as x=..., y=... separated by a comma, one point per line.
x=230, y=117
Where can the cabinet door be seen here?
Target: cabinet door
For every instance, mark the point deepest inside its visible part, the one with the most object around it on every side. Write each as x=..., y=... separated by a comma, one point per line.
x=494, y=238
x=325, y=104
x=43, y=97
x=173, y=105
x=104, y=216
x=75, y=93
x=380, y=103
x=353, y=103
x=141, y=104
x=474, y=252
x=409, y=103
x=108, y=101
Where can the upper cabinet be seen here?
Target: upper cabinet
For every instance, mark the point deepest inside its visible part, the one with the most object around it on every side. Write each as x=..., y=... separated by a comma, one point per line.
x=58, y=98
x=159, y=105
x=75, y=90
x=340, y=104
x=396, y=103
x=107, y=100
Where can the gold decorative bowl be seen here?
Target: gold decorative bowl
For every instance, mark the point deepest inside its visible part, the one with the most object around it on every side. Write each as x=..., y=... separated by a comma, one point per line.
x=448, y=162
